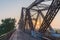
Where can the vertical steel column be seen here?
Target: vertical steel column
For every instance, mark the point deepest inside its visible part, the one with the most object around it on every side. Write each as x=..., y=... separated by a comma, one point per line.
x=29, y=19
x=21, y=22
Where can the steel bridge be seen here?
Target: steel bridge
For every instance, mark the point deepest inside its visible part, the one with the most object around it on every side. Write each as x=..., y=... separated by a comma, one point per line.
x=38, y=10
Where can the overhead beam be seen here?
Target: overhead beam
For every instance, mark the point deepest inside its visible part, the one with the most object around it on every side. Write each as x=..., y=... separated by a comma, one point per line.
x=38, y=9
x=35, y=3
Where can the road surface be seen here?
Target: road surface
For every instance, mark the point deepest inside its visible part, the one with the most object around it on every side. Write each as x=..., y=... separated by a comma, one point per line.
x=19, y=35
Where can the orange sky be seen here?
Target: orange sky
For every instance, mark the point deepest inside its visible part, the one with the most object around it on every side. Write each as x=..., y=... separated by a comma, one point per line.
x=55, y=23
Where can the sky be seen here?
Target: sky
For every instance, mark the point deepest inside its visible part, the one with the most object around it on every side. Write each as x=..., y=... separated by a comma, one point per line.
x=12, y=8
x=9, y=8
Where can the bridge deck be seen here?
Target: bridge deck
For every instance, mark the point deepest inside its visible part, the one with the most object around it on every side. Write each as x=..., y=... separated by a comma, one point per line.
x=19, y=35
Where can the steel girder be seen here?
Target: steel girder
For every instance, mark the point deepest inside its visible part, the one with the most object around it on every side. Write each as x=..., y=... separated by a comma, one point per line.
x=50, y=27
x=36, y=2
x=52, y=11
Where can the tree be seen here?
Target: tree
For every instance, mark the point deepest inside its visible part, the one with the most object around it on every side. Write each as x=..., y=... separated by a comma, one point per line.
x=8, y=24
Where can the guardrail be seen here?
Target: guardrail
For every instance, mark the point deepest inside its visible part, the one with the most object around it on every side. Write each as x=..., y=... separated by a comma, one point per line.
x=37, y=35
x=6, y=36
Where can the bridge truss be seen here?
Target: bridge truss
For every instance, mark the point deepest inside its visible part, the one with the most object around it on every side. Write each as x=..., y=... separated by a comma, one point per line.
x=35, y=12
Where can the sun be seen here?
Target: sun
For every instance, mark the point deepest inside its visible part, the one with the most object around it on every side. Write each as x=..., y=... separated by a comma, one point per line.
x=37, y=24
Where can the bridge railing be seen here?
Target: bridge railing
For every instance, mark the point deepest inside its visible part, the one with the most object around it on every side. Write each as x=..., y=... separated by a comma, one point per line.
x=6, y=36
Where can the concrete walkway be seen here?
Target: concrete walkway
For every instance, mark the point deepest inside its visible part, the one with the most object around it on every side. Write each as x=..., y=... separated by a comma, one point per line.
x=19, y=35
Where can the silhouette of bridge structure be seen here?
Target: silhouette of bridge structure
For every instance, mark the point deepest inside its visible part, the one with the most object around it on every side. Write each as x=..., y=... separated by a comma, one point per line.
x=34, y=12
